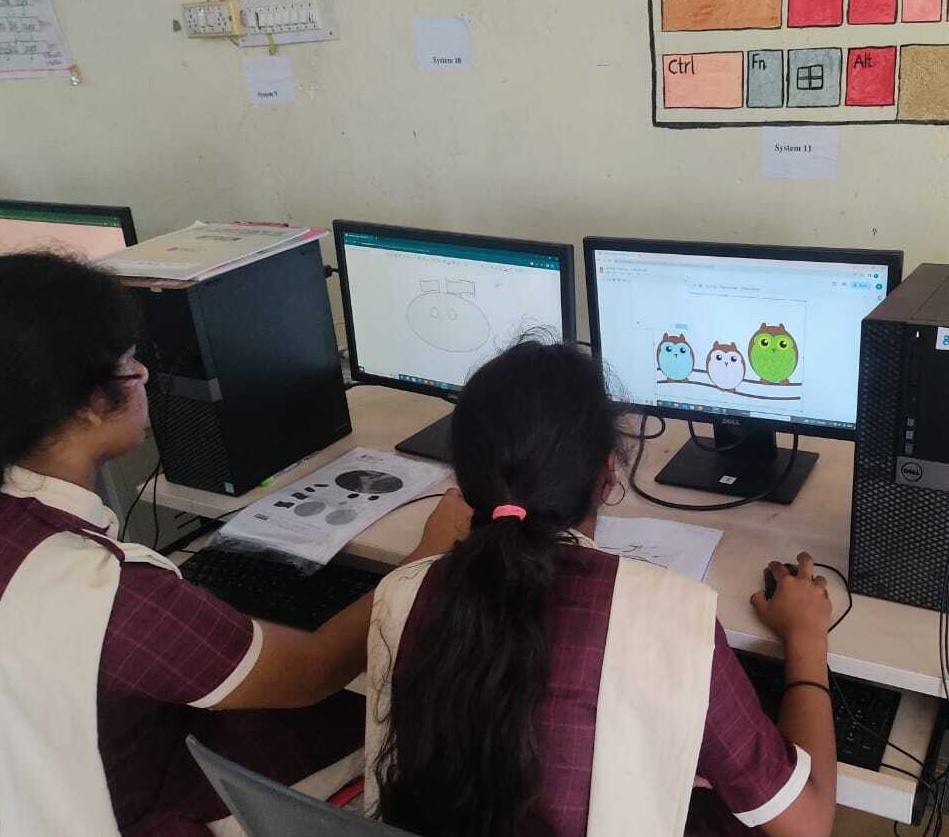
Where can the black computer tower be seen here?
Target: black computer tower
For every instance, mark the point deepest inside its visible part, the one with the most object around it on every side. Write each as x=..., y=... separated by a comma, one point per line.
x=899, y=542
x=244, y=370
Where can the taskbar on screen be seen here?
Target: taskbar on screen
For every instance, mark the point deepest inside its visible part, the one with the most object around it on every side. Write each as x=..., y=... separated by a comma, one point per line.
x=715, y=412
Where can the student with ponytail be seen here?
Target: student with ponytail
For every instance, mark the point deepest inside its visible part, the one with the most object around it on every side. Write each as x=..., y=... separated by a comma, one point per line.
x=527, y=684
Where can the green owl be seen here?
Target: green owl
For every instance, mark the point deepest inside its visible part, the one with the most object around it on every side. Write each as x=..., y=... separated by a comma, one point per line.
x=773, y=354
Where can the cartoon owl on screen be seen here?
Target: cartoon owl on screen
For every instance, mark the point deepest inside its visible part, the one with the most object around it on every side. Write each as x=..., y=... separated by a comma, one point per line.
x=675, y=357
x=773, y=354
x=725, y=366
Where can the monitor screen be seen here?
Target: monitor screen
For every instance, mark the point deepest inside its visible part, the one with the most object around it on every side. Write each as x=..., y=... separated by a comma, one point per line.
x=424, y=309
x=71, y=229
x=762, y=333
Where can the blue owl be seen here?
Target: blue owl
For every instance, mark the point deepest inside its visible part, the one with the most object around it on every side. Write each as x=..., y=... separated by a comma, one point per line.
x=675, y=357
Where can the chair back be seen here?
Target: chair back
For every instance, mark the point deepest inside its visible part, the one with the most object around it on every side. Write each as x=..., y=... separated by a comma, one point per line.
x=265, y=808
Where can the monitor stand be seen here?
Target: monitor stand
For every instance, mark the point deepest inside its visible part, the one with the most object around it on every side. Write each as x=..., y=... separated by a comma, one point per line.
x=752, y=464
x=432, y=442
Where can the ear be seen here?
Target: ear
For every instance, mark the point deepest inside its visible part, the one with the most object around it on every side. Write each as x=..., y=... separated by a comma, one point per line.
x=762, y=327
x=781, y=326
x=95, y=411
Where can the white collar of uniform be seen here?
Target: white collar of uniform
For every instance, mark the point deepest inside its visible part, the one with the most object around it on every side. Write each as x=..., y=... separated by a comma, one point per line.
x=62, y=495
x=582, y=540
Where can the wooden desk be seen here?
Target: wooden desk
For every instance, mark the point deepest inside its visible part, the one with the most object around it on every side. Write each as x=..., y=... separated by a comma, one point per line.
x=879, y=641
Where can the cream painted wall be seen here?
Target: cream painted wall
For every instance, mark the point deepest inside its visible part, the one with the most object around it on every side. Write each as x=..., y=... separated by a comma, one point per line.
x=548, y=136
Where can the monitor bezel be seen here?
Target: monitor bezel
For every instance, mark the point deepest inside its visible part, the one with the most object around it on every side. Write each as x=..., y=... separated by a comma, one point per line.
x=564, y=252
x=121, y=213
x=892, y=259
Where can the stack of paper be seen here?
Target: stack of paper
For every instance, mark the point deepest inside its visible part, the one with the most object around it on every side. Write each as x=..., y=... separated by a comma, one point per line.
x=204, y=250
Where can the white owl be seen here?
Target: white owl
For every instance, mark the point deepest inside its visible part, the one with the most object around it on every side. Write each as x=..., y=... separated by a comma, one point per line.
x=725, y=366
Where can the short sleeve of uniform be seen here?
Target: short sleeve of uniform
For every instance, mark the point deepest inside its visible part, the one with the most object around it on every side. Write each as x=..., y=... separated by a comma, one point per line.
x=171, y=641
x=752, y=768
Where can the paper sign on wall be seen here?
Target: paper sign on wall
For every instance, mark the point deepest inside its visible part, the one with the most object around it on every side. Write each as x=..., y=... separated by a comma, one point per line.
x=269, y=79
x=800, y=153
x=442, y=43
x=31, y=42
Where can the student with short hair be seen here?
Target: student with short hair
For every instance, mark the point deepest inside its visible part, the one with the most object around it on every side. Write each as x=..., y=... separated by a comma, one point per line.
x=528, y=684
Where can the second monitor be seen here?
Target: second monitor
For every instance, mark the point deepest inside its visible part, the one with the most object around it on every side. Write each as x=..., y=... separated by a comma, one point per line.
x=751, y=339
x=424, y=309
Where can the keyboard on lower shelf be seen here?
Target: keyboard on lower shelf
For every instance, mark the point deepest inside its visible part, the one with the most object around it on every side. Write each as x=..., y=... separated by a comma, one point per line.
x=277, y=591
x=870, y=706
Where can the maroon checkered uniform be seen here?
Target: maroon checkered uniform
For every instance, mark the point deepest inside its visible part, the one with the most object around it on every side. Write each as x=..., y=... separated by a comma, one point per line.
x=168, y=644
x=743, y=756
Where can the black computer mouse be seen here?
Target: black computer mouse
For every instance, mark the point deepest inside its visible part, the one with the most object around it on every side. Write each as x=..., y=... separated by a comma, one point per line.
x=770, y=582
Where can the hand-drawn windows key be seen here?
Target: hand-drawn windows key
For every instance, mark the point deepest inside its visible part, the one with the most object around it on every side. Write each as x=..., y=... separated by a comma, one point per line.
x=810, y=77
x=814, y=77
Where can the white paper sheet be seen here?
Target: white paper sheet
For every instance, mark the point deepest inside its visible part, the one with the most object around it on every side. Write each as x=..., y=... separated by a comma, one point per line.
x=315, y=517
x=681, y=547
x=31, y=42
x=269, y=79
x=808, y=152
x=442, y=43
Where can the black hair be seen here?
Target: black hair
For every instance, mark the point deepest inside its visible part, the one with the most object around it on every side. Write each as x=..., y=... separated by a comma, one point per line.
x=64, y=325
x=535, y=428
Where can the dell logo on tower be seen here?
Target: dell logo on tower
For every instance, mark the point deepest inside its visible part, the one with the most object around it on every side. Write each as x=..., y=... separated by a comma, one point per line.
x=911, y=471
x=731, y=422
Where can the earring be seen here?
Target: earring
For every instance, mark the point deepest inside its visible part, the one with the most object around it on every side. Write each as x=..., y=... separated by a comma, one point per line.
x=622, y=497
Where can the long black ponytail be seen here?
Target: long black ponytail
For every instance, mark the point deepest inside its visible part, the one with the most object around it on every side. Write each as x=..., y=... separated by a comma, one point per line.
x=533, y=428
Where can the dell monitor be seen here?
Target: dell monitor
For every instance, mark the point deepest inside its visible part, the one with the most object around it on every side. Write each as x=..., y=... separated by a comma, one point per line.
x=751, y=339
x=69, y=229
x=424, y=309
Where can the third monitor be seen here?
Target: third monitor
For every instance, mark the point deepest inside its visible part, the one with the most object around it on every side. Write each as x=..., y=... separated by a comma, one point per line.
x=752, y=339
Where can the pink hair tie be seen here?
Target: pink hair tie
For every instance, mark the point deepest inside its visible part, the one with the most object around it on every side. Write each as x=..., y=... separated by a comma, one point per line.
x=509, y=511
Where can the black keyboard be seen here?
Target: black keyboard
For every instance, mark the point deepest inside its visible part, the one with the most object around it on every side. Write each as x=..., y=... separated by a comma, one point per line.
x=871, y=706
x=278, y=591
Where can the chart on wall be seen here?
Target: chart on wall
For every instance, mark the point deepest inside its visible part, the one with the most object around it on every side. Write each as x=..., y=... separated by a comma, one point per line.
x=831, y=62
x=31, y=42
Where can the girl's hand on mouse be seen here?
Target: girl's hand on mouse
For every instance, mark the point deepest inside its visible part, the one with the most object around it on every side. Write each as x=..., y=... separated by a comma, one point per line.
x=801, y=608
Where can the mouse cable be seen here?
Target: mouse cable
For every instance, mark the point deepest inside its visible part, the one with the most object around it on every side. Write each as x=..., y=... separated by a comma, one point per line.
x=733, y=504
x=843, y=578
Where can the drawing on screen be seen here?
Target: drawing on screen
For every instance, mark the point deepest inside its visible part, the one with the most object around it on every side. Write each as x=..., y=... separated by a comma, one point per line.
x=675, y=357
x=773, y=357
x=773, y=354
x=725, y=366
x=448, y=320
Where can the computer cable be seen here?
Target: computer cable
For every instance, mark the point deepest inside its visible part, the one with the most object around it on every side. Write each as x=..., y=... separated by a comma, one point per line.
x=418, y=500
x=937, y=788
x=164, y=382
x=153, y=475
x=933, y=826
x=843, y=578
x=701, y=444
x=642, y=436
x=732, y=504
